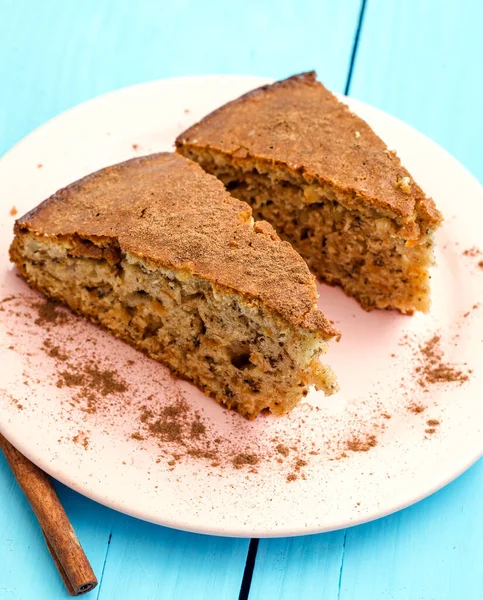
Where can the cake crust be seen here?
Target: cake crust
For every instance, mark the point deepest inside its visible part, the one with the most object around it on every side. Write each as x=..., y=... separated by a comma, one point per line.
x=299, y=124
x=208, y=233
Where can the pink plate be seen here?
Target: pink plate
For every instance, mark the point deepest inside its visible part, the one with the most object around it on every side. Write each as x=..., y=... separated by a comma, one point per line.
x=113, y=425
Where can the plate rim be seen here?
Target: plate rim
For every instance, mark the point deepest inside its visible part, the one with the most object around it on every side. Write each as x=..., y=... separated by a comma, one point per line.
x=241, y=532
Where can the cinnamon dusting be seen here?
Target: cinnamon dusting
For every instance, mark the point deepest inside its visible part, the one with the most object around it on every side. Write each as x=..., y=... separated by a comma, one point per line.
x=362, y=444
x=433, y=368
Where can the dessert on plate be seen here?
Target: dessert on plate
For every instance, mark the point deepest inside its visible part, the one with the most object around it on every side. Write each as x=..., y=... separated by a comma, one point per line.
x=328, y=184
x=159, y=253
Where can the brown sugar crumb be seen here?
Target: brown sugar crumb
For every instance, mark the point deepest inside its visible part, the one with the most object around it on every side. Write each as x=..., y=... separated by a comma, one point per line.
x=137, y=436
x=242, y=459
x=357, y=444
x=291, y=477
x=430, y=430
x=282, y=449
x=386, y=416
x=433, y=423
x=480, y=264
x=13, y=211
x=39, y=165
x=135, y=146
x=299, y=463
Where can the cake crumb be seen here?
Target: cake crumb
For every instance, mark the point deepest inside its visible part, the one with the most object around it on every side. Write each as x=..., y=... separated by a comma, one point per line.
x=13, y=211
x=404, y=184
x=135, y=146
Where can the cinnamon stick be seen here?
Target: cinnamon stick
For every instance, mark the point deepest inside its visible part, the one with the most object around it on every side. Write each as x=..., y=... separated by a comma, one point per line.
x=62, y=542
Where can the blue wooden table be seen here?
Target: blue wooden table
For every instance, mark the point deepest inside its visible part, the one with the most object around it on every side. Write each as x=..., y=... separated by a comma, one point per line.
x=417, y=59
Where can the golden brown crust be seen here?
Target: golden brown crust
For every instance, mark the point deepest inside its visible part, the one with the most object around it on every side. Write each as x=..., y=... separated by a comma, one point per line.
x=167, y=210
x=298, y=123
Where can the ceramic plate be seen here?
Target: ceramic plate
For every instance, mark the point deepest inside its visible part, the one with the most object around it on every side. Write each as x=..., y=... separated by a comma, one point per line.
x=113, y=425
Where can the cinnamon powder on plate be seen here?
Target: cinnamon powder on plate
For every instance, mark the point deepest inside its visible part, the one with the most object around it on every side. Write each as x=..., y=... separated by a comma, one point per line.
x=433, y=368
x=158, y=416
x=362, y=444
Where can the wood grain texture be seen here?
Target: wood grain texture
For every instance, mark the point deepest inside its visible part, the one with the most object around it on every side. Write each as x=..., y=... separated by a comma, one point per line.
x=431, y=551
x=304, y=567
x=55, y=54
x=149, y=561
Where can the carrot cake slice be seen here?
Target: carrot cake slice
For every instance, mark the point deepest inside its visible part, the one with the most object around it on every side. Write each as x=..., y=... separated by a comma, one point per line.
x=159, y=253
x=328, y=184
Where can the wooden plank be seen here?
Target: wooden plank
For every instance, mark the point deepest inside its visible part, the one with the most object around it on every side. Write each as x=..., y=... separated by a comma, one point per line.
x=421, y=61
x=56, y=54
x=430, y=551
x=26, y=567
x=148, y=561
x=305, y=567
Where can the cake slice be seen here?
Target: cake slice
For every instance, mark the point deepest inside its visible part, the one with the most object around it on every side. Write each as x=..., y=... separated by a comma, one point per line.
x=328, y=184
x=159, y=253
